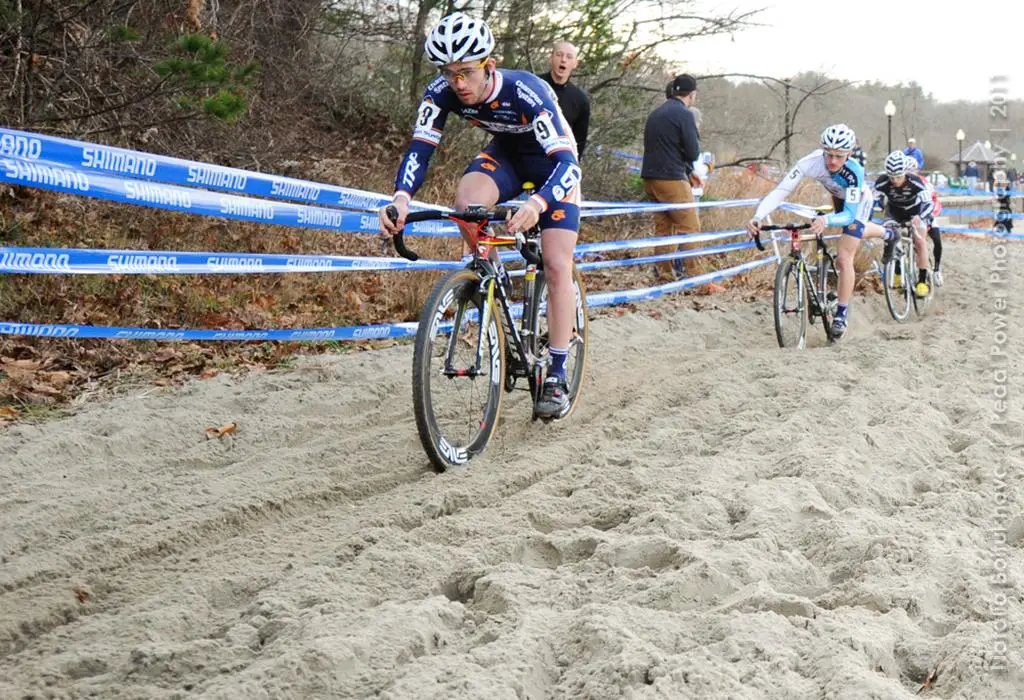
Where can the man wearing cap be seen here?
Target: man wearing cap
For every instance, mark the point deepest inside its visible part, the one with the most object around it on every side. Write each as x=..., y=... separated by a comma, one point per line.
x=571, y=98
x=671, y=145
x=914, y=152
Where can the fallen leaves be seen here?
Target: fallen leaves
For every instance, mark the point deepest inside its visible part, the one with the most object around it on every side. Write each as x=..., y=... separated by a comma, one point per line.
x=227, y=429
x=10, y=365
x=34, y=380
x=8, y=414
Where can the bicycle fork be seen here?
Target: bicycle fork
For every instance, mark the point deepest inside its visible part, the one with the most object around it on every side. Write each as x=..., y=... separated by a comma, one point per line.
x=487, y=286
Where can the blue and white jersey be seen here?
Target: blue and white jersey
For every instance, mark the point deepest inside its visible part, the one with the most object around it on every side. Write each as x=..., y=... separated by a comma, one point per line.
x=522, y=113
x=848, y=184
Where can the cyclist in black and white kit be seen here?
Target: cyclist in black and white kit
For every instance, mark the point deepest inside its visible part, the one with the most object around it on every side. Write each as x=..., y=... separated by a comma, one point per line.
x=934, y=232
x=908, y=199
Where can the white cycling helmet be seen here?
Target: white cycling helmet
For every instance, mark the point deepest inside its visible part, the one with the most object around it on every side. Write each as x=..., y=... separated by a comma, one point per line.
x=459, y=38
x=838, y=137
x=911, y=163
x=896, y=164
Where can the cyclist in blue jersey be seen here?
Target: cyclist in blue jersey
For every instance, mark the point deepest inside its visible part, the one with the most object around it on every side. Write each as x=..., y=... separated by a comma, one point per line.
x=531, y=142
x=852, y=201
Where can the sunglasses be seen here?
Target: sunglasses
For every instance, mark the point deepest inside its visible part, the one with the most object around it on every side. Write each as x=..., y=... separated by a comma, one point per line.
x=463, y=73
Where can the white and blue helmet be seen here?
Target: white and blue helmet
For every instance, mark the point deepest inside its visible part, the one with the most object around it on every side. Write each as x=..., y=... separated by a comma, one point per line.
x=459, y=38
x=838, y=137
x=896, y=164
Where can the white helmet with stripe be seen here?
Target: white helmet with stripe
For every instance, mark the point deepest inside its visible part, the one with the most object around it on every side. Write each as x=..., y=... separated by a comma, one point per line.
x=896, y=164
x=459, y=38
x=838, y=137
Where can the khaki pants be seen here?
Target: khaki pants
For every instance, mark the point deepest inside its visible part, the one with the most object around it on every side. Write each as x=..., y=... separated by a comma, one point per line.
x=670, y=223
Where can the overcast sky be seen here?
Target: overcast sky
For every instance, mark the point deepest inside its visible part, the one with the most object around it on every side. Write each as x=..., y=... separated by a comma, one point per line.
x=951, y=52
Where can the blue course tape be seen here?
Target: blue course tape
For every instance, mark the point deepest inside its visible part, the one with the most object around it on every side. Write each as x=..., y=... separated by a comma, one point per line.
x=648, y=293
x=730, y=248
x=79, y=261
x=53, y=176
x=122, y=162
x=390, y=330
x=973, y=193
x=618, y=209
x=627, y=155
x=632, y=244
x=85, y=261
x=53, y=330
x=976, y=212
x=583, y=249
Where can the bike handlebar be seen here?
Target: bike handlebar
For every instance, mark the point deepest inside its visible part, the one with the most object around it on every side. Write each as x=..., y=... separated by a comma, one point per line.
x=475, y=215
x=785, y=227
x=777, y=227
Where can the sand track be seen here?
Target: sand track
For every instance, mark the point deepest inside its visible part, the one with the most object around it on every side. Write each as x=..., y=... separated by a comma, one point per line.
x=718, y=519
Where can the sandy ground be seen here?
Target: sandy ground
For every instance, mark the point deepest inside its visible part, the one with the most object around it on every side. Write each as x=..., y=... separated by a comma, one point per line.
x=719, y=519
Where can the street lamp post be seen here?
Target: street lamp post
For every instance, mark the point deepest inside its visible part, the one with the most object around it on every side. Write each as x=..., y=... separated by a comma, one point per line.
x=960, y=155
x=890, y=110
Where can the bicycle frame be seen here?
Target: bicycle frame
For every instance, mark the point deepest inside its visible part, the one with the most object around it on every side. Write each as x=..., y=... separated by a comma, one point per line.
x=496, y=285
x=821, y=269
x=820, y=286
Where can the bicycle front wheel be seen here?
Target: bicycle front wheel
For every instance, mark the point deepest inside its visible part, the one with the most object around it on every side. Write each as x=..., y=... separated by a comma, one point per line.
x=458, y=367
x=898, y=286
x=576, y=362
x=790, y=297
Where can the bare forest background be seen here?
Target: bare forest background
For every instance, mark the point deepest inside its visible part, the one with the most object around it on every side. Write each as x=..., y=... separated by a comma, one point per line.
x=256, y=82
x=326, y=90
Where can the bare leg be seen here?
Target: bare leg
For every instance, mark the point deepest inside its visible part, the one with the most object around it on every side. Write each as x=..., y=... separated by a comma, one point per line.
x=475, y=189
x=846, y=251
x=558, y=245
x=921, y=248
x=873, y=230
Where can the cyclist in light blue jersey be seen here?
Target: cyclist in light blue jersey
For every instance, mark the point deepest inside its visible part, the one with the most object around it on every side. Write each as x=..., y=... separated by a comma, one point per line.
x=852, y=201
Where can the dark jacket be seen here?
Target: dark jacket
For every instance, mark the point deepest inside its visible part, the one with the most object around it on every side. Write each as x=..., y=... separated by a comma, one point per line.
x=575, y=106
x=671, y=142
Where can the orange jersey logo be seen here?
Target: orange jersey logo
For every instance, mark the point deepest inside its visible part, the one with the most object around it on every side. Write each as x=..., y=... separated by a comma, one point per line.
x=558, y=215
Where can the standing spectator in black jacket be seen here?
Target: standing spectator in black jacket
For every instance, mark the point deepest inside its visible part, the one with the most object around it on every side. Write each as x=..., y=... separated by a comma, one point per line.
x=671, y=145
x=573, y=101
